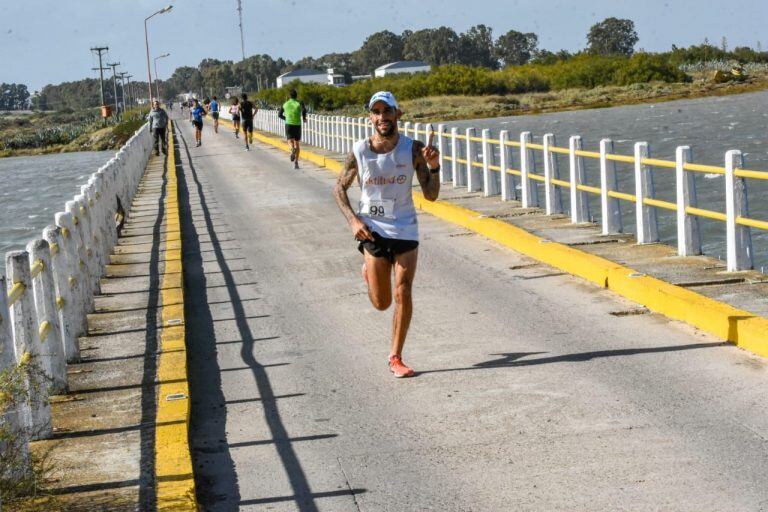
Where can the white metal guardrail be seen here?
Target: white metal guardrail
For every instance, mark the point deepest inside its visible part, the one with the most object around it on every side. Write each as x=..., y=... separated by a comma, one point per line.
x=482, y=163
x=49, y=288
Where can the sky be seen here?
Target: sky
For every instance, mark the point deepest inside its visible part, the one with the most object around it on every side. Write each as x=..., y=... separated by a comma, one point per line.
x=45, y=41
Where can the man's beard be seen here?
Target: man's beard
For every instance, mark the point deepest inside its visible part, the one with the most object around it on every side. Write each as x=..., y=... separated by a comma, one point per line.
x=386, y=132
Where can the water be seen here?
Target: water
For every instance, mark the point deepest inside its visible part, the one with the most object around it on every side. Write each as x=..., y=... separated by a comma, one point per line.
x=711, y=126
x=34, y=188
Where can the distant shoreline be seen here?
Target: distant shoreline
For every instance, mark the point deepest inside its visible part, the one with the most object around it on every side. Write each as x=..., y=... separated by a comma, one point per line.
x=459, y=108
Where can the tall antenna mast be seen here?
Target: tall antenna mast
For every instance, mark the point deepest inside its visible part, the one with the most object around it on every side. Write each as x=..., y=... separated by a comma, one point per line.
x=242, y=39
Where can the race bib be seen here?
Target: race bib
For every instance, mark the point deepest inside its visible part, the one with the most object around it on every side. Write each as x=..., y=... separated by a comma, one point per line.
x=378, y=208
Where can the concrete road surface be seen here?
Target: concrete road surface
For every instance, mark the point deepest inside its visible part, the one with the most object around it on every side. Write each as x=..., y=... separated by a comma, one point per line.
x=535, y=390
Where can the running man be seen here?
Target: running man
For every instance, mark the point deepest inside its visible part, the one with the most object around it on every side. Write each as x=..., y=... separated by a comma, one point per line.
x=385, y=225
x=213, y=108
x=292, y=112
x=158, y=122
x=247, y=110
x=234, y=111
x=197, y=112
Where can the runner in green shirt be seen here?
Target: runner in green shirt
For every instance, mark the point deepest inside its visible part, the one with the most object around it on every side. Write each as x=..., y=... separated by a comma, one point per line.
x=292, y=112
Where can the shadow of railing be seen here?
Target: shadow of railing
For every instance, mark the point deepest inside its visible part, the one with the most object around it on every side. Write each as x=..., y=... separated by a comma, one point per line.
x=206, y=386
x=515, y=359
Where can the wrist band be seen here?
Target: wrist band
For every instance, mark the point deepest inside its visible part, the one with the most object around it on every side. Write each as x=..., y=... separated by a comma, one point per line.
x=435, y=170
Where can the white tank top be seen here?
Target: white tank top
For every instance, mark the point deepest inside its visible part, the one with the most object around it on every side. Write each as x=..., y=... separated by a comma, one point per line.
x=386, y=203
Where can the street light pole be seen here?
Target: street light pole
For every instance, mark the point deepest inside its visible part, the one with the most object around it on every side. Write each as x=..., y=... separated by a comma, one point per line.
x=157, y=79
x=146, y=40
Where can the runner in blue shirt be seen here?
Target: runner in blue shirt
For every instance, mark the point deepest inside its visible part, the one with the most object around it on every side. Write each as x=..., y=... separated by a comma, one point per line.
x=213, y=108
x=197, y=113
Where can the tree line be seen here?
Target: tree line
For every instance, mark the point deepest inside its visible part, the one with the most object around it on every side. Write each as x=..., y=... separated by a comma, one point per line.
x=475, y=48
x=14, y=96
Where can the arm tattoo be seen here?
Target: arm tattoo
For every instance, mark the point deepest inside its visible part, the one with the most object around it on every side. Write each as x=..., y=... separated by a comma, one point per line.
x=430, y=183
x=346, y=178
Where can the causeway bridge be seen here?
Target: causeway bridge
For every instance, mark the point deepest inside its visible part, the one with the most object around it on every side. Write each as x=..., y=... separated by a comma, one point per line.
x=219, y=352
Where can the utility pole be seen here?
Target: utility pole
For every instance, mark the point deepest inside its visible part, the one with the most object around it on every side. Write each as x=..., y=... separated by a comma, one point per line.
x=131, y=95
x=101, y=78
x=114, y=80
x=122, y=89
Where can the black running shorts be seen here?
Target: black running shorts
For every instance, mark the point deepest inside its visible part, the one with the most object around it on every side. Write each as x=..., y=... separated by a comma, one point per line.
x=235, y=117
x=383, y=247
x=293, y=131
x=215, y=115
x=198, y=124
x=247, y=125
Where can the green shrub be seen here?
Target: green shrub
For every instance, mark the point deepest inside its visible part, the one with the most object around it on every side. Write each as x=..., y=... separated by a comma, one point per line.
x=582, y=71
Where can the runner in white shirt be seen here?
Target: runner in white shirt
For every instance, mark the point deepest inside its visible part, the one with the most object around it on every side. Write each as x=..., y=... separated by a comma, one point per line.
x=385, y=224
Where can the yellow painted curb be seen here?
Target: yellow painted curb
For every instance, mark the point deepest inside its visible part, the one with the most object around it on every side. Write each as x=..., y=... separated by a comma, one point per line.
x=744, y=329
x=174, y=478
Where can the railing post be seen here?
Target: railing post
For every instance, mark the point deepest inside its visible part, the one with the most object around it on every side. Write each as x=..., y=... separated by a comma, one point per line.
x=688, y=237
x=27, y=342
x=647, y=223
x=473, y=183
x=507, y=181
x=610, y=208
x=49, y=330
x=530, y=195
x=579, y=199
x=406, y=128
x=416, y=129
x=455, y=154
x=738, y=238
x=489, y=183
x=335, y=134
x=15, y=415
x=79, y=278
x=350, y=135
x=441, y=148
x=553, y=197
x=66, y=302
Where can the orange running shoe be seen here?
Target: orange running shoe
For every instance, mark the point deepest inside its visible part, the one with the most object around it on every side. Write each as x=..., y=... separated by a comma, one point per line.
x=399, y=369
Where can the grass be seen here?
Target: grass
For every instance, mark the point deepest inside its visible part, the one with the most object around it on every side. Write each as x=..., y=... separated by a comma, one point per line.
x=64, y=132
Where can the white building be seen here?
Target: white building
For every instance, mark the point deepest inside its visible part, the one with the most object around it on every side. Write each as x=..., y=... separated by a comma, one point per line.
x=403, y=66
x=302, y=75
x=336, y=79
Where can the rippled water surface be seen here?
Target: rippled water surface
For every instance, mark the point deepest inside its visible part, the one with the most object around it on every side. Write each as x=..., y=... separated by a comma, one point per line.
x=34, y=188
x=711, y=126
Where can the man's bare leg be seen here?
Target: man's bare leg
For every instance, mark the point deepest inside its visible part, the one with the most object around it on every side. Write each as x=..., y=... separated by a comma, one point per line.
x=405, y=270
x=378, y=273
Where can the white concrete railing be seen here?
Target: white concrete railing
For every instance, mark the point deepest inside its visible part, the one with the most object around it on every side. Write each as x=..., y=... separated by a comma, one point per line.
x=486, y=164
x=51, y=286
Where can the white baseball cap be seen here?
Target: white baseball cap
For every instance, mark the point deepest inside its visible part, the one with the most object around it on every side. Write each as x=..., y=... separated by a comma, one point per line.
x=385, y=96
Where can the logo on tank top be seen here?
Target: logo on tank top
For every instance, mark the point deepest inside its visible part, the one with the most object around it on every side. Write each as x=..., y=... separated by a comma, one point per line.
x=383, y=180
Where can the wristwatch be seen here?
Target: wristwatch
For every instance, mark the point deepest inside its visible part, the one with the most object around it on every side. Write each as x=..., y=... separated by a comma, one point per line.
x=435, y=170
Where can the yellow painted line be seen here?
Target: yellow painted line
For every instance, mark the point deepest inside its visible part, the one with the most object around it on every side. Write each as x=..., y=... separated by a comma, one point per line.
x=740, y=327
x=174, y=478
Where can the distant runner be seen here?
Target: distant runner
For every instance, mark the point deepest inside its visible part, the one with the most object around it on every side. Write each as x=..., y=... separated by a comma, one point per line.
x=158, y=123
x=234, y=111
x=197, y=112
x=385, y=225
x=292, y=112
x=247, y=110
x=213, y=108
